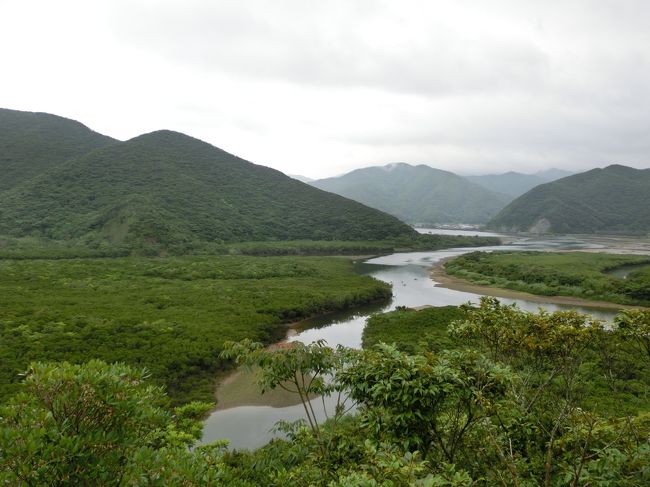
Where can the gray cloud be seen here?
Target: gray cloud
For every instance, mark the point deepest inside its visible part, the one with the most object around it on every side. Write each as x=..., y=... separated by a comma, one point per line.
x=321, y=87
x=341, y=44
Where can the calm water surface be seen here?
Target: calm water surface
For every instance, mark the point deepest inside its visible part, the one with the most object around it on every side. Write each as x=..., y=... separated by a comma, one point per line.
x=251, y=426
x=624, y=271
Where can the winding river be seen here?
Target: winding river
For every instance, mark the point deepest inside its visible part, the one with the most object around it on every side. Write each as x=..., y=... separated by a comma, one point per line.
x=409, y=273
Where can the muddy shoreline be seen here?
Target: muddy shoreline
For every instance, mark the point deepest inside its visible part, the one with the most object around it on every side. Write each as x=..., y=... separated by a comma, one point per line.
x=240, y=389
x=237, y=387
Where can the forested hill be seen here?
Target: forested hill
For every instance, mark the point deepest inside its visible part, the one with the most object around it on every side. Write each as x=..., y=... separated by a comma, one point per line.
x=31, y=143
x=165, y=188
x=615, y=199
x=417, y=194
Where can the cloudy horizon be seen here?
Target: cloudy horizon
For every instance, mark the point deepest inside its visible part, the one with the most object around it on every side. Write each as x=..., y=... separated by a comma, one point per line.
x=321, y=88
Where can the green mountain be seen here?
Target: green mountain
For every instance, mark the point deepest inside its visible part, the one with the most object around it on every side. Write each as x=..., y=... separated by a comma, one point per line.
x=166, y=189
x=615, y=199
x=31, y=143
x=417, y=194
x=515, y=183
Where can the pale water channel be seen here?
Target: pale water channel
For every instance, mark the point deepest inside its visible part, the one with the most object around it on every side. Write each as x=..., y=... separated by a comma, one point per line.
x=624, y=271
x=409, y=273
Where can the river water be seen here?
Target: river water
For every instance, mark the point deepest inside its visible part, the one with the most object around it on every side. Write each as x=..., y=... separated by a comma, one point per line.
x=409, y=273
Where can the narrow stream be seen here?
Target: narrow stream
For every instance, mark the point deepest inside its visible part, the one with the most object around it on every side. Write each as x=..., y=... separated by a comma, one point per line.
x=251, y=426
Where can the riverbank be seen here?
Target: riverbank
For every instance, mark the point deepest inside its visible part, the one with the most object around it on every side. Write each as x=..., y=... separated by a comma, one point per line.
x=442, y=279
x=235, y=387
x=412, y=287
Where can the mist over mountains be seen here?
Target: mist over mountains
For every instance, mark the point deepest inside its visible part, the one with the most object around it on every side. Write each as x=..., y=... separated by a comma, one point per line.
x=614, y=200
x=417, y=194
x=424, y=195
x=514, y=183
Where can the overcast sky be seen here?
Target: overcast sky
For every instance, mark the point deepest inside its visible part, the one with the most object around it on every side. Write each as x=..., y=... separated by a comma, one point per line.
x=320, y=87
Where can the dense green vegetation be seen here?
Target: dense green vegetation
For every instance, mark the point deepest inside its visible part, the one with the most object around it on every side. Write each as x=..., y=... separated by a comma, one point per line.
x=417, y=194
x=167, y=192
x=408, y=243
x=409, y=330
x=580, y=274
x=497, y=397
x=66, y=191
x=31, y=143
x=38, y=248
x=613, y=200
x=99, y=424
x=171, y=315
x=430, y=329
x=516, y=402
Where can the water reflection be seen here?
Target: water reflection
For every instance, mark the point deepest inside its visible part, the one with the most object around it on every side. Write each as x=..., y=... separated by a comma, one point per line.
x=409, y=274
x=250, y=427
x=624, y=271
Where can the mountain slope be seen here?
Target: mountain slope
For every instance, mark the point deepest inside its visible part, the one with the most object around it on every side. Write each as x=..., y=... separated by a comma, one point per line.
x=515, y=183
x=417, y=194
x=166, y=189
x=615, y=199
x=31, y=143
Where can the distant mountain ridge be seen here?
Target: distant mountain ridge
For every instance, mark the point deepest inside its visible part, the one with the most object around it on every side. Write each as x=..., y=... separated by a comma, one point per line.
x=553, y=174
x=166, y=189
x=417, y=194
x=615, y=199
x=515, y=183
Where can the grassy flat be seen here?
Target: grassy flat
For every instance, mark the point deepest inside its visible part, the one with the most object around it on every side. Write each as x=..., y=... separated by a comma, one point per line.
x=408, y=327
x=585, y=275
x=170, y=315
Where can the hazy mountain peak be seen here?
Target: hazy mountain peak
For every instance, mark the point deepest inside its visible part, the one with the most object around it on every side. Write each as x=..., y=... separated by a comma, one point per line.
x=515, y=183
x=553, y=173
x=622, y=169
x=395, y=165
x=417, y=194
